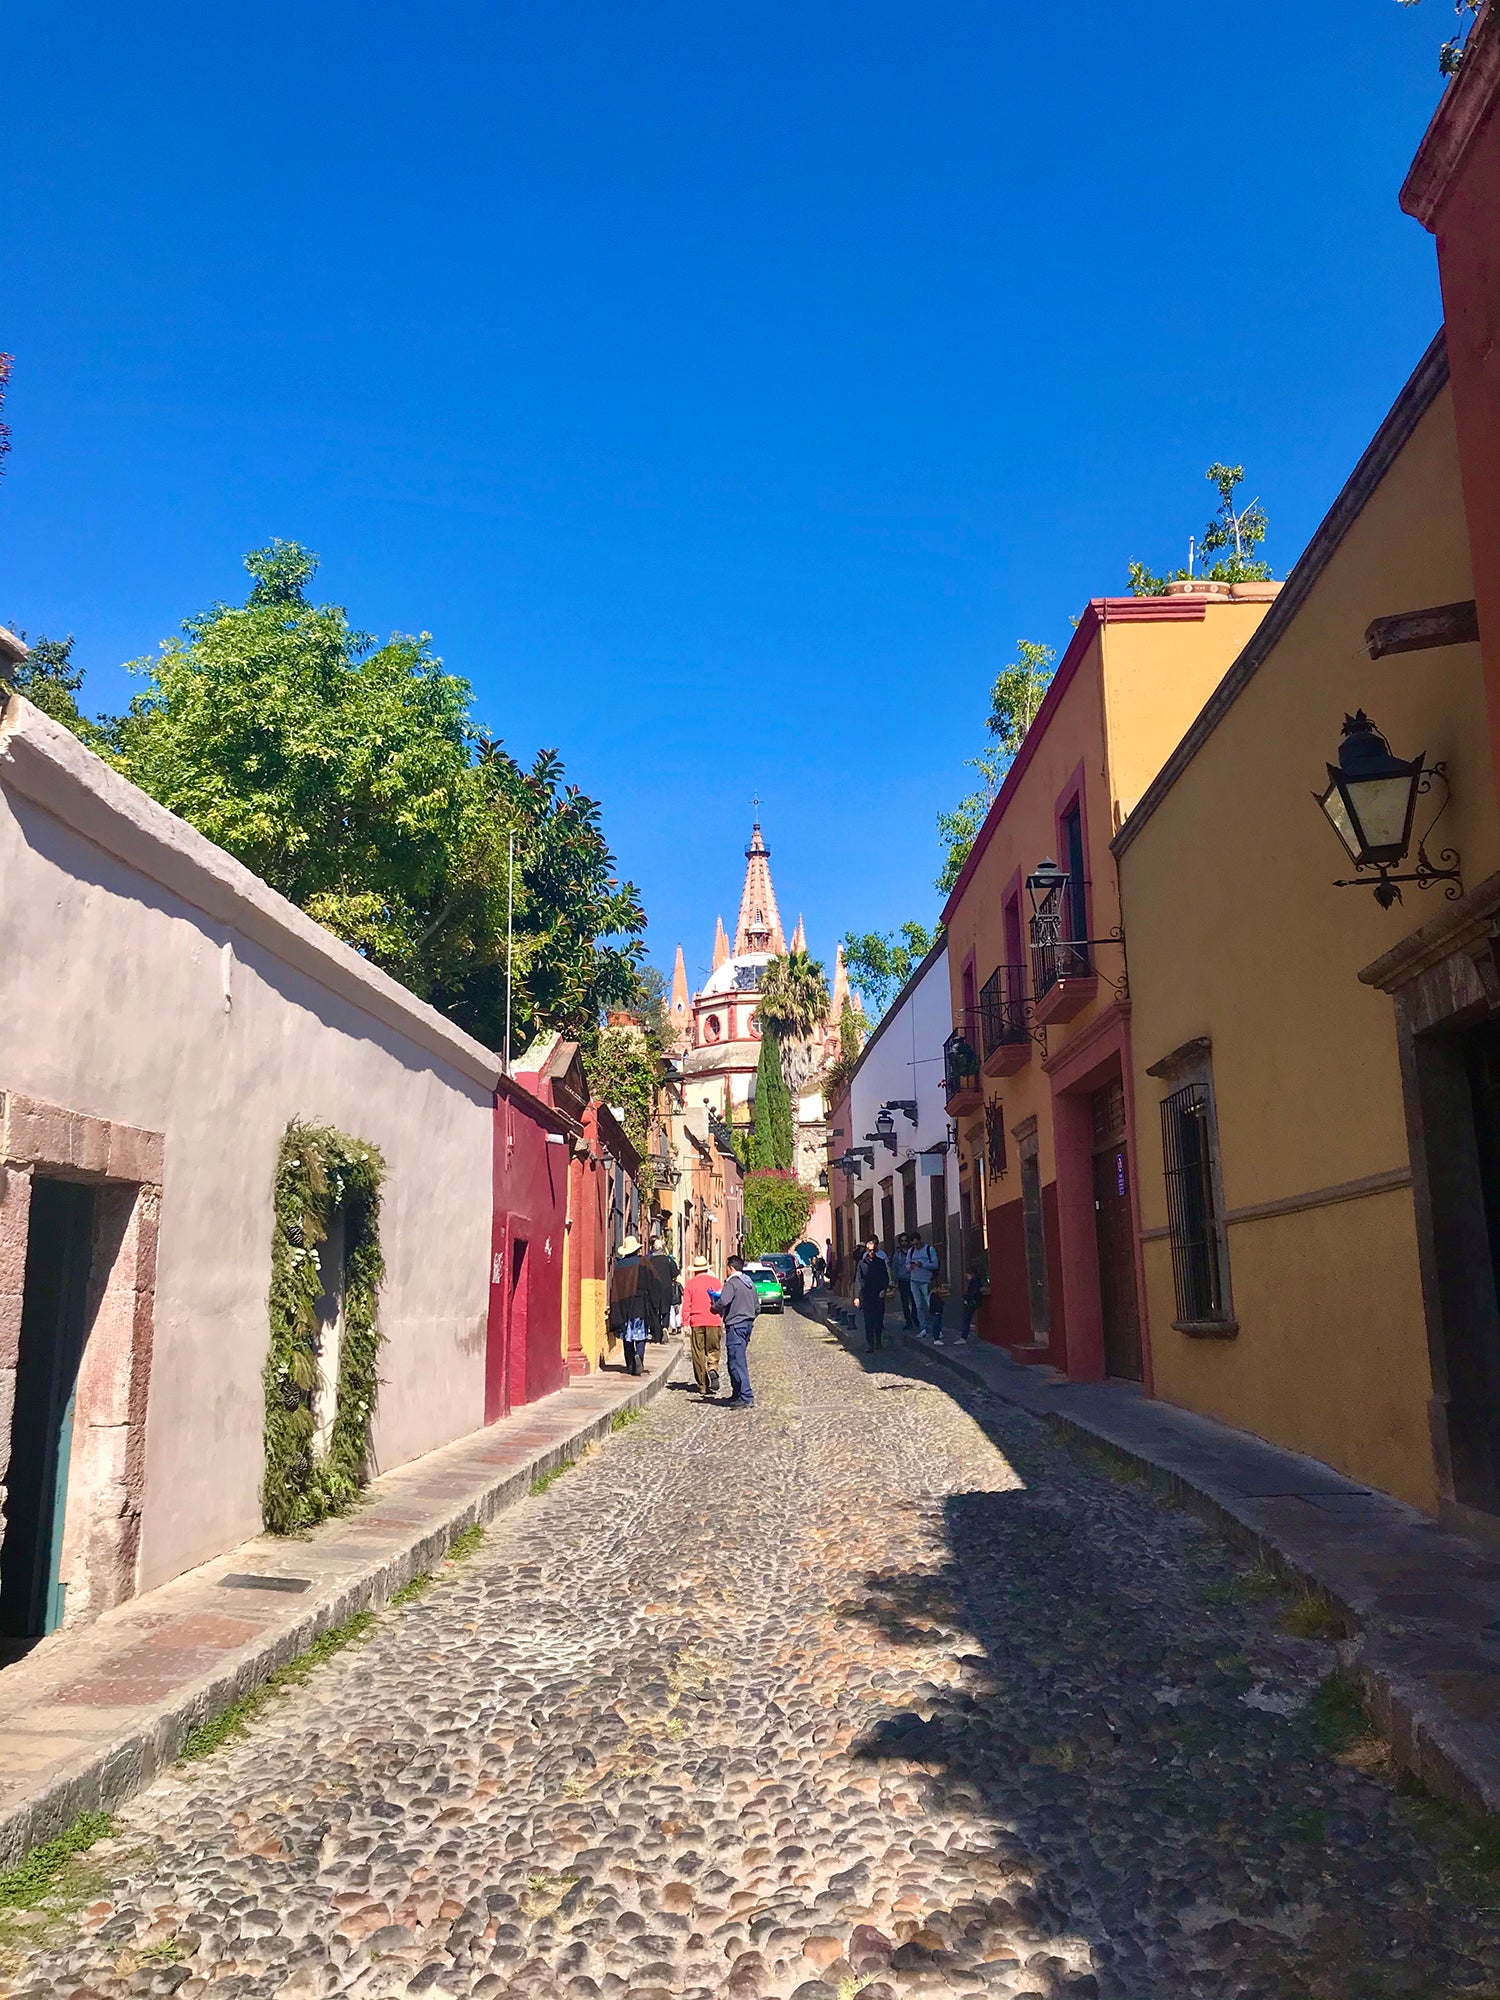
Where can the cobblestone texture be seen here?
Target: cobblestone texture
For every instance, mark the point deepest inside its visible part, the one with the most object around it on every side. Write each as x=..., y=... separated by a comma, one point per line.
x=875, y=1688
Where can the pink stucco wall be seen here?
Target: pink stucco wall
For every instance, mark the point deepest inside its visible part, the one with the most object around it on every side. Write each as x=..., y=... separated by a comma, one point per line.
x=148, y=979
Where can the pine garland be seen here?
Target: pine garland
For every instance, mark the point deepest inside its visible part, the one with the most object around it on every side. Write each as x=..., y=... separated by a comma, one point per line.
x=318, y=1171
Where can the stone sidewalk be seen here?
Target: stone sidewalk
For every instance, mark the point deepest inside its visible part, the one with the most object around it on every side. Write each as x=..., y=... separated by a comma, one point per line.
x=90, y=1716
x=1423, y=1604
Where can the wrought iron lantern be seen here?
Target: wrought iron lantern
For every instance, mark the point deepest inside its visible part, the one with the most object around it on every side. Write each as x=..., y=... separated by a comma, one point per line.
x=1044, y=885
x=1370, y=802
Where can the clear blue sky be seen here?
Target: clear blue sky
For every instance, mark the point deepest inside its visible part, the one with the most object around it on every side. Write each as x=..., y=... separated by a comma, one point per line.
x=725, y=387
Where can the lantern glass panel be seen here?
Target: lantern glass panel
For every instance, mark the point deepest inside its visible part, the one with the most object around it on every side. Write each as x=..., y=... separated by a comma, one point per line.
x=1382, y=808
x=1333, y=805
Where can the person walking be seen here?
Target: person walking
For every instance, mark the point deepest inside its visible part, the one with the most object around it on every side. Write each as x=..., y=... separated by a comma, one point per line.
x=921, y=1269
x=819, y=1269
x=935, y=1297
x=664, y=1272
x=973, y=1293
x=737, y=1304
x=872, y=1279
x=698, y=1296
x=901, y=1272
x=633, y=1303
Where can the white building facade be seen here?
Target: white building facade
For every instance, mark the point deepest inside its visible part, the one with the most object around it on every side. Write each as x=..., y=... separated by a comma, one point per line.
x=911, y=1184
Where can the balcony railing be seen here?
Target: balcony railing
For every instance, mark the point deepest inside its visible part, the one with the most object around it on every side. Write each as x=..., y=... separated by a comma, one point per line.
x=960, y=1063
x=1002, y=1009
x=1054, y=958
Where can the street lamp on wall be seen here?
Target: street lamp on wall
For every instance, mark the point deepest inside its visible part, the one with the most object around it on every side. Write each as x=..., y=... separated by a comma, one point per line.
x=1370, y=802
x=1044, y=885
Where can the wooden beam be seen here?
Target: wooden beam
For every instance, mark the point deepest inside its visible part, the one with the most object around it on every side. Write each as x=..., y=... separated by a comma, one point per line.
x=1415, y=631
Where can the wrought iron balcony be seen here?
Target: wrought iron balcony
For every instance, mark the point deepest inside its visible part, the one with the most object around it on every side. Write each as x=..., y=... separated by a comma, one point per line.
x=962, y=1086
x=1002, y=1010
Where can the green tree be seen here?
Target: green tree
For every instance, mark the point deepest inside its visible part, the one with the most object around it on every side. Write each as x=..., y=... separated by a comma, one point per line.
x=350, y=777
x=1016, y=696
x=777, y=1207
x=793, y=1003
x=771, y=1130
x=48, y=678
x=851, y=1041
x=881, y=962
x=1232, y=535
x=624, y=1064
x=1019, y=691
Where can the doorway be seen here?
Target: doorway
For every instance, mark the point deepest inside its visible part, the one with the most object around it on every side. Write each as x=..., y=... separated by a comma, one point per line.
x=1114, y=1235
x=54, y=1326
x=516, y=1312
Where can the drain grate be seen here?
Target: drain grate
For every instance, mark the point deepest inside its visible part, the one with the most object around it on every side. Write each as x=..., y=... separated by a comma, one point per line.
x=236, y=1581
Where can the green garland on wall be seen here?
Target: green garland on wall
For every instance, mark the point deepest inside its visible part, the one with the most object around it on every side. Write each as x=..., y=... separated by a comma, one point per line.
x=319, y=1171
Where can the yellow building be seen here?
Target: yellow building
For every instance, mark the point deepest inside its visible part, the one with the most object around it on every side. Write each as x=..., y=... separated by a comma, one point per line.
x=1037, y=1064
x=1300, y=1281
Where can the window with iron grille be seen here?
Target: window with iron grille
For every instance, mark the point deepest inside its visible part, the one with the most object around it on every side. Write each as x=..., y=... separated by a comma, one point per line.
x=994, y=1132
x=1193, y=1219
x=1035, y=1228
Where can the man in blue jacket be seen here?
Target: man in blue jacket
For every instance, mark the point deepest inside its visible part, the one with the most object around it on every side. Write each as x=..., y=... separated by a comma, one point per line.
x=737, y=1304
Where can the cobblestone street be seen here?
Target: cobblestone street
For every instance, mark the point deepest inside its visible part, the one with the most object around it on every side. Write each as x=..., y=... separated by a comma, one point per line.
x=878, y=1687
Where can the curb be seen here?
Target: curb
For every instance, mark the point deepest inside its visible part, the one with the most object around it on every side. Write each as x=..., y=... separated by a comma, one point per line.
x=106, y=1775
x=1455, y=1757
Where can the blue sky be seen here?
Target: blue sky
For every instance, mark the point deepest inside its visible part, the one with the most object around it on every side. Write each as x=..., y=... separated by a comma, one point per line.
x=725, y=388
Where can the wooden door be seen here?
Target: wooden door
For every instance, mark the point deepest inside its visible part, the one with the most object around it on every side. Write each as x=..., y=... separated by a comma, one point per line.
x=1115, y=1237
x=54, y=1326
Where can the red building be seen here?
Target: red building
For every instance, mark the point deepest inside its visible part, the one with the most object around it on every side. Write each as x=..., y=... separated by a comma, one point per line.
x=533, y=1152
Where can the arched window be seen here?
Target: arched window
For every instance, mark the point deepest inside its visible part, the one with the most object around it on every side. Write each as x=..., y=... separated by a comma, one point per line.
x=713, y=1028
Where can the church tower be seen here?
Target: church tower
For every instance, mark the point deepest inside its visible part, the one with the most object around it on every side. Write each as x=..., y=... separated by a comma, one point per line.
x=759, y=927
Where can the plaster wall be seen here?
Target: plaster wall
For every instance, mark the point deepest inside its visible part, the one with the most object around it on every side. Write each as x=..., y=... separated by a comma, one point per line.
x=1136, y=674
x=146, y=978
x=1236, y=934
x=902, y=1060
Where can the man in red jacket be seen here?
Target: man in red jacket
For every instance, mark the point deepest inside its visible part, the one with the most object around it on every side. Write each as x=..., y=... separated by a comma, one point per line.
x=698, y=1296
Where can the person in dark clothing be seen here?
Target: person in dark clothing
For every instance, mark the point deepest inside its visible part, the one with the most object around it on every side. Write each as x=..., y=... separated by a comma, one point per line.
x=668, y=1293
x=901, y=1272
x=973, y=1293
x=737, y=1304
x=634, y=1311
x=872, y=1280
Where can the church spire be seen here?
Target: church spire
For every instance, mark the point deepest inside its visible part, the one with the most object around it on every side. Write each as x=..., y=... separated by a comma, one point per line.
x=721, y=943
x=840, y=986
x=799, y=937
x=759, y=927
x=680, y=1013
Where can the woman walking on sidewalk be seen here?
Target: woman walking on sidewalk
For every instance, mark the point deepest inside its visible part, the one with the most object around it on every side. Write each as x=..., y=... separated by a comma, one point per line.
x=698, y=1296
x=634, y=1304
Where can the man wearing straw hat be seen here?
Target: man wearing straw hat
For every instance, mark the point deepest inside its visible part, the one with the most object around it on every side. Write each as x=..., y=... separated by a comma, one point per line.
x=698, y=1296
x=634, y=1303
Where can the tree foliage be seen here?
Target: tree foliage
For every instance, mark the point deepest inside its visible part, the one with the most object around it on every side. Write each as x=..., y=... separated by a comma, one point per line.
x=1231, y=535
x=777, y=1207
x=881, y=962
x=350, y=776
x=851, y=1041
x=49, y=680
x=792, y=1006
x=1016, y=695
x=771, y=1129
x=624, y=1064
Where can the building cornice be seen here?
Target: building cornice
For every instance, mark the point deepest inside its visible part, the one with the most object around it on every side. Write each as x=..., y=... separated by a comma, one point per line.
x=1465, y=925
x=1097, y=613
x=1408, y=410
x=1470, y=99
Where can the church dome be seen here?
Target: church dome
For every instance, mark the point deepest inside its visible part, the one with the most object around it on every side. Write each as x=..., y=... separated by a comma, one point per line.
x=740, y=974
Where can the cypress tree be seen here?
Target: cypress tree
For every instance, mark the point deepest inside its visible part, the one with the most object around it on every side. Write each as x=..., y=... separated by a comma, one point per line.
x=771, y=1144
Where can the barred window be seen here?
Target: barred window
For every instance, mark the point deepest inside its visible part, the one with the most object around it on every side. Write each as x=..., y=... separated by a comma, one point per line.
x=1193, y=1219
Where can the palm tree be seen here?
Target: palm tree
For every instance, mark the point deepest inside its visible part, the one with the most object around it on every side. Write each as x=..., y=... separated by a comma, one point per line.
x=793, y=1004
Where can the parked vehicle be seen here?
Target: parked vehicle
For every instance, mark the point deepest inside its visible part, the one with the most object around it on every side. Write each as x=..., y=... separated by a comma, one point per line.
x=788, y=1270
x=767, y=1287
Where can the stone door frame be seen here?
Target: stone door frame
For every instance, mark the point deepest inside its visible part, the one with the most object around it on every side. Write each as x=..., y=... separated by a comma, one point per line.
x=106, y=1472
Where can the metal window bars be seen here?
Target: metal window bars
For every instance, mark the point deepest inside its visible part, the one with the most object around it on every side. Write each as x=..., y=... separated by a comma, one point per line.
x=1002, y=1009
x=1192, y=1220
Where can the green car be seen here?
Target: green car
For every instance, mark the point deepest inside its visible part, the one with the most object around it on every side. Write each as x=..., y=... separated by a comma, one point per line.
x=767, y=1287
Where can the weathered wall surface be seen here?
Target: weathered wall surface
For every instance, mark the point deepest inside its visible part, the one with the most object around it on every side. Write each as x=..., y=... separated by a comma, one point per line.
x=1237, y=935
x=146, y=978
